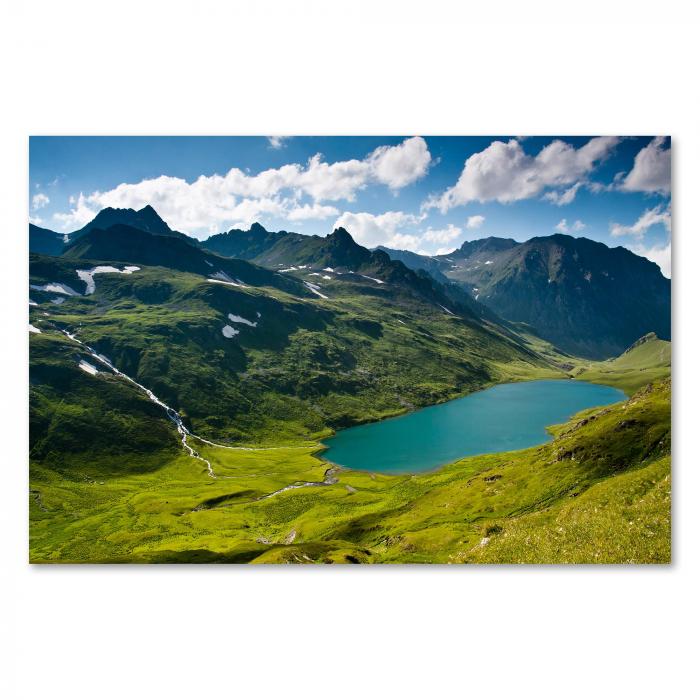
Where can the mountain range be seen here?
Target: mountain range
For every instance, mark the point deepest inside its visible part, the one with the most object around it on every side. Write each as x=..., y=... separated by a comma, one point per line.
x=585, y=298
x=179, y=394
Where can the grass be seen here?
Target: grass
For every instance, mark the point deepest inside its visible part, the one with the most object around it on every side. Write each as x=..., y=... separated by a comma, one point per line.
x=599, y=492
x=109, y=482
x=645, y=362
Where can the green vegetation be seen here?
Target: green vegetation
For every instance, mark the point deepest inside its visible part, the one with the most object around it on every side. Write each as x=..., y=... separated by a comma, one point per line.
x=648, y=360
x=110, y=482
x=308, y=366
x=599, y=492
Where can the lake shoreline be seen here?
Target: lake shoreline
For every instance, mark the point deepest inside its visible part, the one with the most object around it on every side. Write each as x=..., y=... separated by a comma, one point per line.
x=532, y=414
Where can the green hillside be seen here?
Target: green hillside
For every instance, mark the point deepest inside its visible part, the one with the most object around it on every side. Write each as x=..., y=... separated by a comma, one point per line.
x=646, y=361
x=600, y=492
x=264, y=364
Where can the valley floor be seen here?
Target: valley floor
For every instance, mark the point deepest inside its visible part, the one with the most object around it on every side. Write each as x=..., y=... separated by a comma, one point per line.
x=600, y=492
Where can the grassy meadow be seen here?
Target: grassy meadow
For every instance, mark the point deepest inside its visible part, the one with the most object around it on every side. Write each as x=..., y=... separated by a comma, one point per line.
x=109, y=481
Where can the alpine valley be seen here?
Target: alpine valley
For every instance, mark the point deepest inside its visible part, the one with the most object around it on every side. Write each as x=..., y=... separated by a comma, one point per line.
x=181, y=392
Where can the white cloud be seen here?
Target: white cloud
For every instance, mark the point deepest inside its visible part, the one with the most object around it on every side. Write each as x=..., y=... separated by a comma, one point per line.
x=371, y=230
x=443, y=235
x=505, y=173
x=396, y=229
x=36, y=220
x=564, y=227
x=213, y=202
x=563, y=198
x=660, y=254
x=651, y=217
x=311, y=211
x=398, y=166
x=78, y=216
x=39, y=201
x=652, y=169
x=277, y=142
x=475, y=221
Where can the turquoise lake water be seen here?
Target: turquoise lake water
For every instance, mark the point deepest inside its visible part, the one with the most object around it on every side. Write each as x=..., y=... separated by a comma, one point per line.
x=504, y=417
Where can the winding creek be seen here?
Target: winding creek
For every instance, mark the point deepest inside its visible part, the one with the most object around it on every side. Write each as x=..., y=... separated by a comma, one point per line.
x=502, y=418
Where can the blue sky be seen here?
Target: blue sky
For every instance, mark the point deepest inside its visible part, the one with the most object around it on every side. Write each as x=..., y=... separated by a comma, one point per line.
x=427, y=194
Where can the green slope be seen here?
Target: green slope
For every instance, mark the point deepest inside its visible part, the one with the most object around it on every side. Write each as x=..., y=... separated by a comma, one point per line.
x=307, y=365
x=646, y=361
x=313, y=351
x=600, y=492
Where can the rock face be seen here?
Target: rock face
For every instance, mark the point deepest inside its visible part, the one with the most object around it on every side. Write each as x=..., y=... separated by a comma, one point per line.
x=584, y=297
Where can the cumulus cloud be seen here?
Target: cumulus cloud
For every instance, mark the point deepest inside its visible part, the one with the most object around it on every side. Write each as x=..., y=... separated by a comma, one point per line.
x=36, y=220
x=211, y=202
x=652, y=169
x=399, y=230
x=443, y=235
x=564, y=227
x=80, y=214
x=277, y=142
x=650, y=217
x=563, y=198
x=398, y=166
x=660, y=253
x=475, y=221
x=39, y=201
x=371, y=230
x=505, y=173
x=311, y=211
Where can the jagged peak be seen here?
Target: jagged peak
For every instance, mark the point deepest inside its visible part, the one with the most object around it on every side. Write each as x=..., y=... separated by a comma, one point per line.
x=341, y=234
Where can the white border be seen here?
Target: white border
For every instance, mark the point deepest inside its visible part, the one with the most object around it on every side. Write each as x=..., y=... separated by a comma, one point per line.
x=341, y=68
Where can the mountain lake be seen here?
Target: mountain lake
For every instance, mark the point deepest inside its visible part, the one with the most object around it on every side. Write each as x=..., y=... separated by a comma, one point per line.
x=499, y=419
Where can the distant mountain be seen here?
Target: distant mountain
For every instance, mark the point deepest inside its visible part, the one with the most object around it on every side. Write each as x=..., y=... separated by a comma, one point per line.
x=246, y=245
x=146, y=219
x=339, y=251
x=430, y=264
x=44, y=241
x=579, y=294
x=49, y=242
x=125, y=244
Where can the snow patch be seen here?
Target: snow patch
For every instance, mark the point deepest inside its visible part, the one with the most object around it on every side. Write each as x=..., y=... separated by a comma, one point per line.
x=87, y=367
x=374, y=279
x=400, y=321
x=489, y=262
x=328, y=269
x=326, y=277
x=230, y=284
x=56, y=288
x=209, y=263
x=315, y=289
x=229, y=331
x=33, y=329
x=239, y=319
x=447, y=310
x=33, y=303
x=221, y=276
x=58, y=300
x=288, y=269
x=87, y=276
